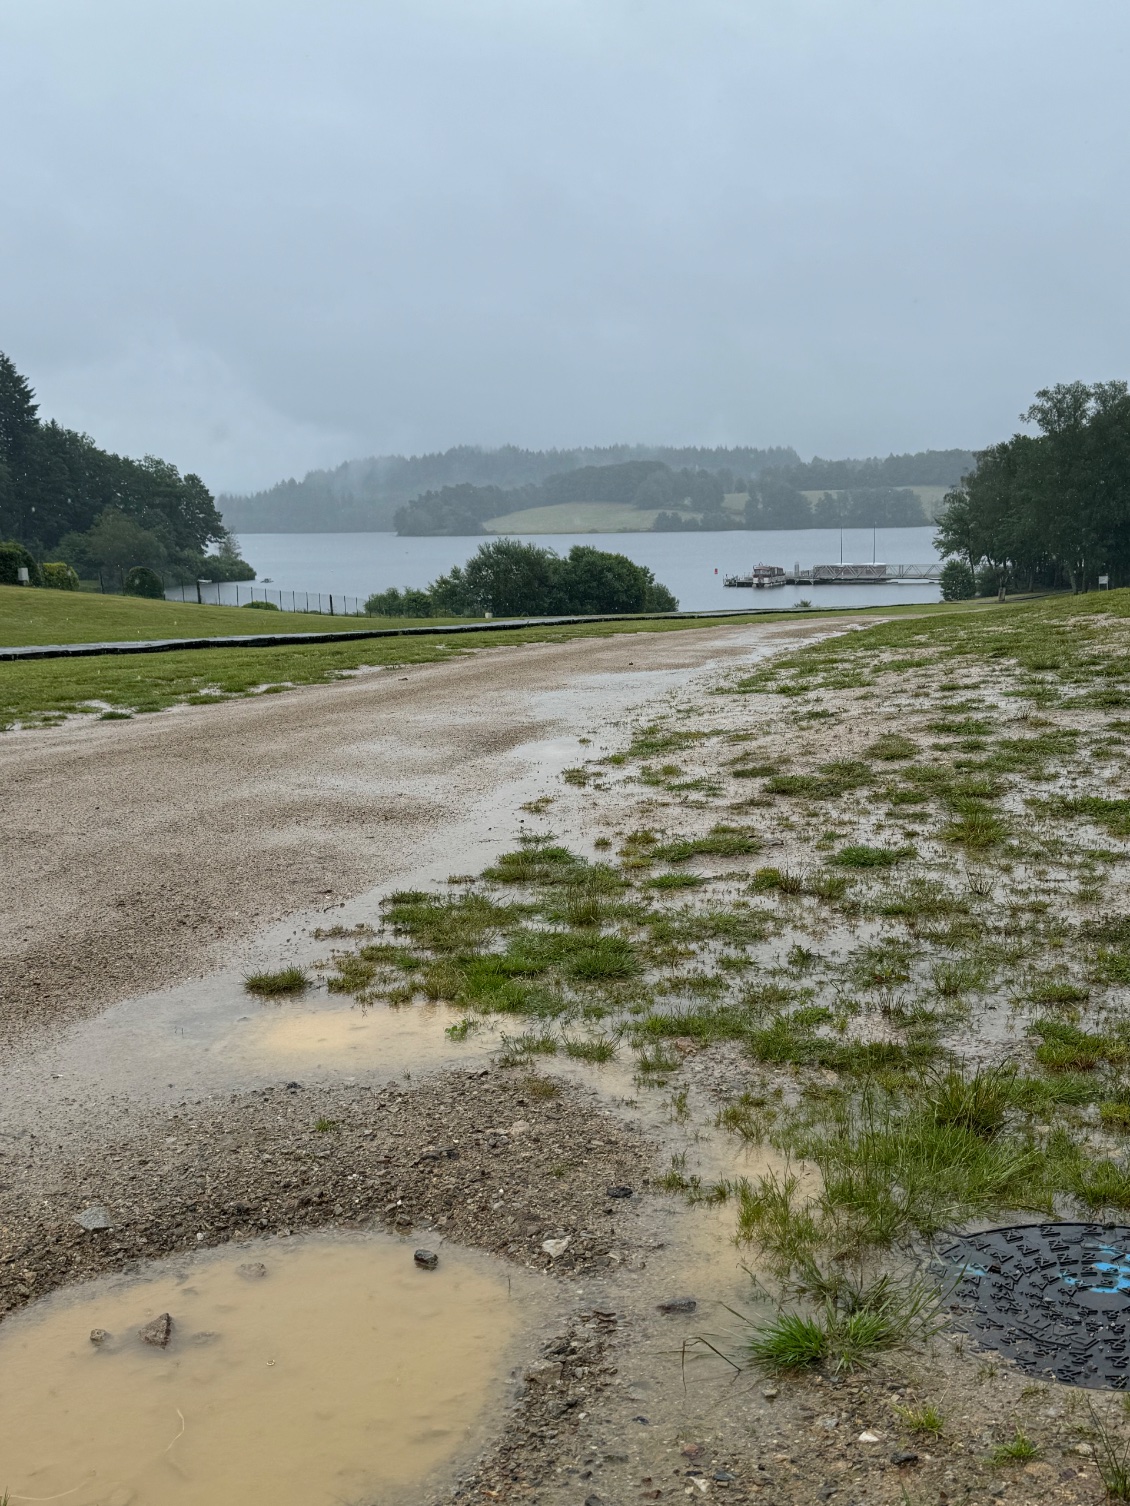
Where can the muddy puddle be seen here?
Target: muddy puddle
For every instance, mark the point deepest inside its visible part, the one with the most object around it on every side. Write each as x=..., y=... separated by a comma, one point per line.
x=324, y=1369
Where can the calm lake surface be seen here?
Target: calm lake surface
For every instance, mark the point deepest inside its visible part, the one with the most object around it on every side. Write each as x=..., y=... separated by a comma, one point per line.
x=690, y=564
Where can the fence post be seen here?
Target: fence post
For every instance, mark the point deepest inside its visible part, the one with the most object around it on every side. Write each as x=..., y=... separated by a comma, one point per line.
x=331, y=603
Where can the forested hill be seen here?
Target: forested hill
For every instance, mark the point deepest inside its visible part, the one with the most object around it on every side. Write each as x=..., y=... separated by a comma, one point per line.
x=901, y=491
x=926, y=468
x=364, y=495
x=617, y=487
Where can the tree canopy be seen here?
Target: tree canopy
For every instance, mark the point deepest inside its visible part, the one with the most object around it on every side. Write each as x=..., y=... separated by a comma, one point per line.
x=1047, y=509
x=60, y=493
x=511, y=579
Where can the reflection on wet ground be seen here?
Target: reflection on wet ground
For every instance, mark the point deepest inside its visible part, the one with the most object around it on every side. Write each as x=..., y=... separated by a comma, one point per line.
x=376, y=1039
x=311, y=1370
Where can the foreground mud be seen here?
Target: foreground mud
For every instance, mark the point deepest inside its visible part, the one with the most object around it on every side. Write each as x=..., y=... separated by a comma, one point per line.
x=584, y=1176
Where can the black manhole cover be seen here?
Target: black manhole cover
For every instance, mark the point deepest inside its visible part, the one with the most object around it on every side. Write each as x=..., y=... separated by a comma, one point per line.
x=1053, y=1297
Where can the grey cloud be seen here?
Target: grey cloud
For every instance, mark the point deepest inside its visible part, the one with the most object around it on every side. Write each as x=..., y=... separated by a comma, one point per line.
x=259, y=237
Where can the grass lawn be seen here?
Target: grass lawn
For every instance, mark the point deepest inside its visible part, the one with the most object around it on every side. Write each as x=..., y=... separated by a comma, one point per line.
x=42, y=691
x=35, y=616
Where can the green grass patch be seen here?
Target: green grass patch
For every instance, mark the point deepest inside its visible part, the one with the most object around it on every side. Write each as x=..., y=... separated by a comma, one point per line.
x=891, y=747
x=667, y=881
x=720, y=842
x=860, y=855
x=830, y=781
x=288, y=980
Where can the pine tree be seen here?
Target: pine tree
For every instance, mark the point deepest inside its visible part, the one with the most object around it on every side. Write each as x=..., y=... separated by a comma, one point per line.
x=18, y=412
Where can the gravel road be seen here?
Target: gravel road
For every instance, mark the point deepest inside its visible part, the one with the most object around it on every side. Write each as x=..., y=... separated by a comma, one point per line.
x=137, y=853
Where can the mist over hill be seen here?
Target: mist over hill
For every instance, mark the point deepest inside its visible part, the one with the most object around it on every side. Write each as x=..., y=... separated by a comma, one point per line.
x=364, y=495
x=459, y=490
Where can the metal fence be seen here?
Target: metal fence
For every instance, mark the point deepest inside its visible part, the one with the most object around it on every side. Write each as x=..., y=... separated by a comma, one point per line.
x=233, y=593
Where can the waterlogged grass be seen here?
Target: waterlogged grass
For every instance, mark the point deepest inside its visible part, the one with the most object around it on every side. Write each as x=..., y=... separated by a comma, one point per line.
x=928, y=981
x=848, y=1331
x=288, y=980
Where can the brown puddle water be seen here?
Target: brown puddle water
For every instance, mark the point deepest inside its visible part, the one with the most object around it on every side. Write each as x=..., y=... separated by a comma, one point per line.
x=409, y=1038
x=343, y=1372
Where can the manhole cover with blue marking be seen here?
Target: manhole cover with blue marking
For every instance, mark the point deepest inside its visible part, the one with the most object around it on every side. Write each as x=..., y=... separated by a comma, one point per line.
x=1053, y=1297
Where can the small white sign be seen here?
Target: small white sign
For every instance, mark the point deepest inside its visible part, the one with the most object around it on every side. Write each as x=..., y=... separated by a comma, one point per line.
x=1104, y=580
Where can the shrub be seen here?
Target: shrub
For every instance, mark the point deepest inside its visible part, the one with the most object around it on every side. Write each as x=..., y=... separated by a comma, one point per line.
x=14, y=558
x=262, y=606
x=956, y=581
x=394, y=603
x=141, y=581
x=58, y=576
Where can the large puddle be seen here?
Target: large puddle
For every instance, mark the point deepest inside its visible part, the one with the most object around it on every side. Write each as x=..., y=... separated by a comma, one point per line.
x=298, y=1372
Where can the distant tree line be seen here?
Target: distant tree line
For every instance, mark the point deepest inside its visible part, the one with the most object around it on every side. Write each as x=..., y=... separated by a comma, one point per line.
x=510, y=579
x=62, y=496
x=1050, y=509
x=774, y=503
x=693, y=500
x=364, y=495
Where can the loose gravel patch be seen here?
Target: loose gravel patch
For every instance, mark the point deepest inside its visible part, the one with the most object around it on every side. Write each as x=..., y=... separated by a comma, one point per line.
x=471, y=1155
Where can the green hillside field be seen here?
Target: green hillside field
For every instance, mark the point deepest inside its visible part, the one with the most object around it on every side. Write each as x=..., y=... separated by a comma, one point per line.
x=621, y=517
x=37, y=616
x=575, y=517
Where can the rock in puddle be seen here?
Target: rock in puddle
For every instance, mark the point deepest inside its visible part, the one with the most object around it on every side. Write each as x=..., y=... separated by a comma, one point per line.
x=427, y=1260
x=678, y=1305
x=254, y=1270
x=158, y=1332
x=99, y=1336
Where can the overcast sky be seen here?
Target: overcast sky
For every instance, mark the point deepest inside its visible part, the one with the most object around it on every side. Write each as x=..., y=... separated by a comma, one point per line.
x=263, y=235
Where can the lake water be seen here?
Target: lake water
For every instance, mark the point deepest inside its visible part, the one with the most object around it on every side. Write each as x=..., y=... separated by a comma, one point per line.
x=691, y=565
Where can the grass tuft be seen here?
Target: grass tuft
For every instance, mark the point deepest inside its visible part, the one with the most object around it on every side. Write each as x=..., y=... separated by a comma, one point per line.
x=1018, y=1450
x=290, y=980
x=859, y=855
x=924, y=1419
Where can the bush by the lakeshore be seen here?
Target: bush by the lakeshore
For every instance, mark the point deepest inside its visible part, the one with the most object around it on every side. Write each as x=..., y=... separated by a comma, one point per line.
x=394, y=603
x=956, y=581
x=14, y=558
x=510, y=579
x=141, y=581
x=58, y=576
x=262, y=606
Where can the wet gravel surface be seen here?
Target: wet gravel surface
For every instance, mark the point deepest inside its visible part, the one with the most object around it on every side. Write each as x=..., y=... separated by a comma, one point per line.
x=468, y=1156
x=140, y=852
x=624, y=1403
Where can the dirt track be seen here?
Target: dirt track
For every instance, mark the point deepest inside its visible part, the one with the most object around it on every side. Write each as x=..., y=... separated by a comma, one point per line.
x=133, y=854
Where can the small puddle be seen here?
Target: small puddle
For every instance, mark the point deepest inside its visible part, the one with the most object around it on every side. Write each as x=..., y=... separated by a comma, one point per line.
x=409, y=1038
x=305, y=1371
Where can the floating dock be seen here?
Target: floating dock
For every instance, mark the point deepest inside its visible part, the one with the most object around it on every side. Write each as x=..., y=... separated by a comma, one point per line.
x=763, y=577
